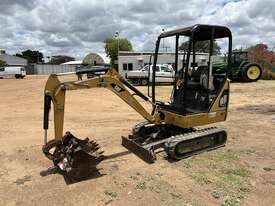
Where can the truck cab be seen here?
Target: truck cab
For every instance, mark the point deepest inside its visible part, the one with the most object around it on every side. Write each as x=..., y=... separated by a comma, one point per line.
x=164, y=74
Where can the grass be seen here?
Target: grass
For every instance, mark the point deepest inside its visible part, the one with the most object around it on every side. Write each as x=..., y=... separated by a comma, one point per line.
x=220, y=172
x=227, y=155
x=242, y=172
x=110, y=193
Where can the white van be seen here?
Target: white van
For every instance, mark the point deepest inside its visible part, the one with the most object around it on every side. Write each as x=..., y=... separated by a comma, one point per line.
x=17, y=72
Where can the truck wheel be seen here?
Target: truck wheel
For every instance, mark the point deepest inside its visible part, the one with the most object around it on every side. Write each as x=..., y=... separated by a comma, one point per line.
x=144, y=82
x=252, y=73
x=17, y=76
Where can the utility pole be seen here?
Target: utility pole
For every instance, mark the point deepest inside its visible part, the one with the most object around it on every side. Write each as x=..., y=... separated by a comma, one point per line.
x=163, y=46
x=117, y=37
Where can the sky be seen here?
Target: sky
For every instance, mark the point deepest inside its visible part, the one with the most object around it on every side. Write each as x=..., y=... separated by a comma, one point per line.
x=78, y=27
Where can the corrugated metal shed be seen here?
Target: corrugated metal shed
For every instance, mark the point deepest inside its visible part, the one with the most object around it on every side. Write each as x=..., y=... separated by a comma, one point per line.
x=96, y=59
x=12, y=60
x=53, y=69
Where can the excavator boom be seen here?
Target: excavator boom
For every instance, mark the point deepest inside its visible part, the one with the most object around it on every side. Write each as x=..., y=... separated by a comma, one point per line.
x=55, y=94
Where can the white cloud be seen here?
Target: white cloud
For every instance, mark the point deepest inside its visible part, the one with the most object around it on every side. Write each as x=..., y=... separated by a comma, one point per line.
x=76, y=27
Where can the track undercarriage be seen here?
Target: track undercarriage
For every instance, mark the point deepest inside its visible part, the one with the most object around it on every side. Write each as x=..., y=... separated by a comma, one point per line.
x=178, y=143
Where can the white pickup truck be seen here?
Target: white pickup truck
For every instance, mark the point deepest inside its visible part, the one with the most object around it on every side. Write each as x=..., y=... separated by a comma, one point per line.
x=163, y=75
x=17, y=72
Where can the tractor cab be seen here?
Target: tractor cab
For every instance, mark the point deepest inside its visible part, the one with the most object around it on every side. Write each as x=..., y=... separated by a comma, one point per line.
x=238, y=57
x=242, y=69
x=196, y=86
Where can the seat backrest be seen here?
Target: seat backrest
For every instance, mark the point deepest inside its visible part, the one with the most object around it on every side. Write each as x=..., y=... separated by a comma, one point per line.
x=196, y=74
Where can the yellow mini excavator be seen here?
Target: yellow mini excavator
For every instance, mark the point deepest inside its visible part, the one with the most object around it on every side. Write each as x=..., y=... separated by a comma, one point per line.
x=198, y=98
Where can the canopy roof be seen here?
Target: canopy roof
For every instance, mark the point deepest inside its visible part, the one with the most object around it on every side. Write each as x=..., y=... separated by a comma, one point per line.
x=200, y=31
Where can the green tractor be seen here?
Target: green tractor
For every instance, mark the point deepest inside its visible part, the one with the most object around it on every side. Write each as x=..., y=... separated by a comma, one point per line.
x=242, y=69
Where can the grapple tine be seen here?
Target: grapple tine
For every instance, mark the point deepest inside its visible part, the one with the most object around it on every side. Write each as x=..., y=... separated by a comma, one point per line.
x=93, y=144
x=73, y=153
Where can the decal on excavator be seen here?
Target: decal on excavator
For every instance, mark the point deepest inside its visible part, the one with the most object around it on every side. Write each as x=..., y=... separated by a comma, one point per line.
x=117, y=87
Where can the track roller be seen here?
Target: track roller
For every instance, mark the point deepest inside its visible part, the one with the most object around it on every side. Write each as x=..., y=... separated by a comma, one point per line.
x=186, y=145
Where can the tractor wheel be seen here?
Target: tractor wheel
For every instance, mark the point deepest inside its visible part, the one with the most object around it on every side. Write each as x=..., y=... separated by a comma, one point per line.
x=251, y=73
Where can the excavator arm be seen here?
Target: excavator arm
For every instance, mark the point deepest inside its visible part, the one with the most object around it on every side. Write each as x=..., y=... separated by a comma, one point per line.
x=55, y=93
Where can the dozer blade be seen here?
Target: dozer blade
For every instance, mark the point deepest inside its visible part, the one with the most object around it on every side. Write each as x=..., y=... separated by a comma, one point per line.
x=146, y=154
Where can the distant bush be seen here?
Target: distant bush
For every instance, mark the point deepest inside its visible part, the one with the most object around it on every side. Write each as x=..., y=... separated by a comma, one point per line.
x=2, y=63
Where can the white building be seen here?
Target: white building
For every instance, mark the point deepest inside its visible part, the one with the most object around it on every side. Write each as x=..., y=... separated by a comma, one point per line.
x=89, y=59
x=128, y=61
x=12, y=60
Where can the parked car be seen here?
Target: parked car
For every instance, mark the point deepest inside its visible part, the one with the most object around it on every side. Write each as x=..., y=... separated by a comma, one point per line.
x=164, y=74
x=17, y=72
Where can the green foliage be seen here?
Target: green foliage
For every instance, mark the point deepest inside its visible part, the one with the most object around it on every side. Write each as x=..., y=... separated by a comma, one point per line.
x=111, y=47
x=228, y=155
x=31, y=56
x=242, y=172
x=202, y=46
x=2, y=63
x=59, y=59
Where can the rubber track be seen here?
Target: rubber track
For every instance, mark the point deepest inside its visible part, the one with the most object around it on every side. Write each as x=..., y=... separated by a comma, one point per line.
x=171, y=144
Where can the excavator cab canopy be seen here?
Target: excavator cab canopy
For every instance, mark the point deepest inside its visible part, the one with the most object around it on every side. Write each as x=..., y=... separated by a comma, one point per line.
x=200, y=32
x=194, y=86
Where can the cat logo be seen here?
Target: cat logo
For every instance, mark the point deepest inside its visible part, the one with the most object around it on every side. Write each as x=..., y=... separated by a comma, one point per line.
x=117, y=87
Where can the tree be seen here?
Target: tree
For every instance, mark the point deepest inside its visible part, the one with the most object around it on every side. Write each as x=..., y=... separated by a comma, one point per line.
x=201, y=46
x=261, y=55
x=31, y=56
x=3, y=63
x=59, y=59
x=111, y=47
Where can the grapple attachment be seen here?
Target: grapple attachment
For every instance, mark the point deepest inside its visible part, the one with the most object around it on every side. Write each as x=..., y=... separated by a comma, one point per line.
x=71, y=154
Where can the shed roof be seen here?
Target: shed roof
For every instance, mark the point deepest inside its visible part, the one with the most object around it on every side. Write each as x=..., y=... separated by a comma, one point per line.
x=72, y=63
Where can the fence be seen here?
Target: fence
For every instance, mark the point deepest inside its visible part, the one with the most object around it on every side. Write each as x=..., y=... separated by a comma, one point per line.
x=52, y=69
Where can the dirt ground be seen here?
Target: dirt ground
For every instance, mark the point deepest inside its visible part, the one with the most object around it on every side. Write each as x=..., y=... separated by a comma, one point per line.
x=242, y=173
